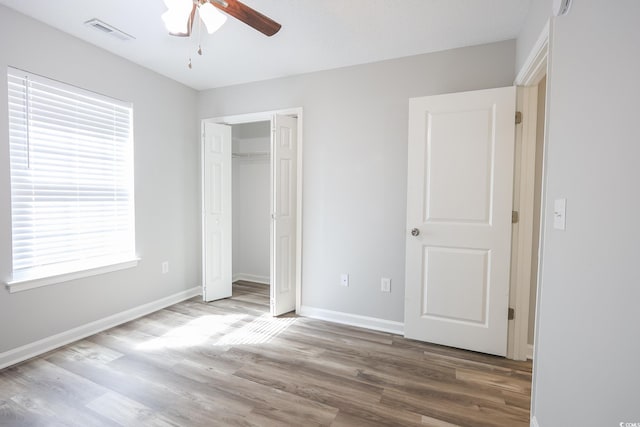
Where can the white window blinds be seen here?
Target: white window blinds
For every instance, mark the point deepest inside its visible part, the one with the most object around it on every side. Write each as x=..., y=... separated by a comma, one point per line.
x=71, y=156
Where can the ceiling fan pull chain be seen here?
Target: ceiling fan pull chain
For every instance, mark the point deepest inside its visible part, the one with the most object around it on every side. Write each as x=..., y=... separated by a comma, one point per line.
x=199, y=34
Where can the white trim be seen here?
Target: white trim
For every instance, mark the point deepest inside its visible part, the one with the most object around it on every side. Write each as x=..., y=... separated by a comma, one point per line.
x=543, y=209
x=530, y=351
x=263, y=116
x=514, y=227
x=26, y=284
x=535, y=66
x=268, y=116
x=353, y=320
x=529, y=76
x=299, y=213
x=525, y=180
x=252, y=278
x=44, y=345
x=534, y=422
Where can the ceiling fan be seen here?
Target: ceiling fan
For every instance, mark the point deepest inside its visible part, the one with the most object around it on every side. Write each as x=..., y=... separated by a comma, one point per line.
x=181, y=14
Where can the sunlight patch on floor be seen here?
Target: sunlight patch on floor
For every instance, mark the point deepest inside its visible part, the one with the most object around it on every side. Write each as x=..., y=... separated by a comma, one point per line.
x=259, y=331
x=193, y=333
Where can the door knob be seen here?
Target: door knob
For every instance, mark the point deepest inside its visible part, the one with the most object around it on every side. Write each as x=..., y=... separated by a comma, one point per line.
x=415, y=232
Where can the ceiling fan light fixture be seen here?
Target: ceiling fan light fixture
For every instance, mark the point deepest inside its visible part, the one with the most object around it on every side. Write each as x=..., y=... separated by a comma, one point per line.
x=174, y=24
x=176, y=18
x=213, y=19
x=178, y=4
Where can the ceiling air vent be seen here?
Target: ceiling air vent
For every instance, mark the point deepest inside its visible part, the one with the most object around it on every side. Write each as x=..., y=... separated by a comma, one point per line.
x=108, y=29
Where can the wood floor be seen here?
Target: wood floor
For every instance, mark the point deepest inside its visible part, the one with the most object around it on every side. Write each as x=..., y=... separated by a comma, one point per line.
x=228, y=363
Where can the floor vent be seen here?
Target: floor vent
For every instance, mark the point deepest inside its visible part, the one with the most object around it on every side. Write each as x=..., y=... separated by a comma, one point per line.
x=108, y=29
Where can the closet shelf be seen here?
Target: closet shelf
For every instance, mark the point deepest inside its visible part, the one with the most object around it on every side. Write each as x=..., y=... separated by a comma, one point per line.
x=254, y=155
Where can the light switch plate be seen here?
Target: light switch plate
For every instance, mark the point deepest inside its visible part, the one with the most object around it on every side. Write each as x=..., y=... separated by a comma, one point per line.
x=385, y=284
x=559, y=214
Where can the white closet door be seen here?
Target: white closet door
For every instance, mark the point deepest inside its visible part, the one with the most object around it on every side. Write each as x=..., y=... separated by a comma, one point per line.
x=283, y=224
x=216, y=253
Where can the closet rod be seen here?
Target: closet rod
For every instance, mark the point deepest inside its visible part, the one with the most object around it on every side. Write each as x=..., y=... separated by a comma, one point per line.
x=252, y=155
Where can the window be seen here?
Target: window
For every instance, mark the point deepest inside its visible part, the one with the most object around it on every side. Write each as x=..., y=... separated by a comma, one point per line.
x=71, y=159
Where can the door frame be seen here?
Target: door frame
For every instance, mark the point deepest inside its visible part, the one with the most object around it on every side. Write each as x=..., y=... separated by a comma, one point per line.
x=535, y=68
x=268, y=116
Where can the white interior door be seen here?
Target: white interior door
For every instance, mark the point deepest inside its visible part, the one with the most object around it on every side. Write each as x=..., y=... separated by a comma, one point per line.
x=216, y=251
x=459, y=202
x=283, y=208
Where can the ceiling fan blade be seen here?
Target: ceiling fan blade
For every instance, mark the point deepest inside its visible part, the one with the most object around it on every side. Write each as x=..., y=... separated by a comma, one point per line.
x=249, y=16
x=192, y=17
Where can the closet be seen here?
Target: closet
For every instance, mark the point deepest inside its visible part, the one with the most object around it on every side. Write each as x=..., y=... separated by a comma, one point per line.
x=251, y=169
x=250, y=200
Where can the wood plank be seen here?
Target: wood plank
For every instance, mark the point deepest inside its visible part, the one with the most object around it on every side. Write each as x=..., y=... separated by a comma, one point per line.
x=125, y=411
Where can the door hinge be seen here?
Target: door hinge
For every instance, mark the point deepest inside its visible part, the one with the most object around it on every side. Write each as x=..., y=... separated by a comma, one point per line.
x=518, y=117
x=511, y=314
x=515, y=217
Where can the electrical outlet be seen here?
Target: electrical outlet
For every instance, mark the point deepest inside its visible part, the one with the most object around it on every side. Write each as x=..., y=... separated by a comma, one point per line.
x=344, y=279
x=165, y=267
x=385, y=284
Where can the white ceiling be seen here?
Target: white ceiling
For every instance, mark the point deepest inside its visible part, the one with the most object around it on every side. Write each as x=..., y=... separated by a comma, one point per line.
x=315, y=34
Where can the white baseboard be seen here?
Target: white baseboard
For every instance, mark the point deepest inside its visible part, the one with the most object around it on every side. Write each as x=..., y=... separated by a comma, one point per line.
x=530, y=351
x=265, y=280
x=353, y=320
x=534, y=422
x=19, y=354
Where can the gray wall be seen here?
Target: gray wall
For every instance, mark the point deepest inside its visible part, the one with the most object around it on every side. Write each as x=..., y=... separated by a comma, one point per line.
x=167, y=188
x=537, y=16
x=588, y=335
x=355, y=163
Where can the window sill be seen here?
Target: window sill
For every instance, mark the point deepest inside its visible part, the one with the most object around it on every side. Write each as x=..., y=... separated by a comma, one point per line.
x=27, y=283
